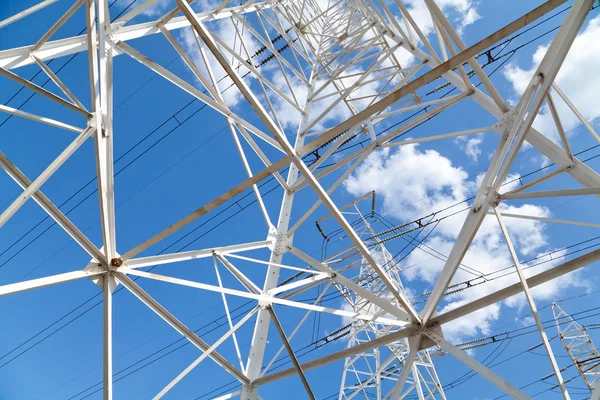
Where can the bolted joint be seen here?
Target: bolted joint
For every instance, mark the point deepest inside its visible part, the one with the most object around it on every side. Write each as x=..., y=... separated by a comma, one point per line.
x=280, y=242
x=116, y=262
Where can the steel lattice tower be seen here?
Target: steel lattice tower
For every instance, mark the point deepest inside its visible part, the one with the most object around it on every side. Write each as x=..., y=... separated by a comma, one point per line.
x=374, y=374
x=314, y=78
x=579, y=346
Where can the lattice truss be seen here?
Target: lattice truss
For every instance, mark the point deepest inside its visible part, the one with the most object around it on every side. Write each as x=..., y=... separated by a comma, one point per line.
x=576, y=340
x=322, y=62
x=374, y=373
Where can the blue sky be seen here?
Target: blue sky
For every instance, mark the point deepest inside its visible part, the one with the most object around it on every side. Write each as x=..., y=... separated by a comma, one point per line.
x=194, y=163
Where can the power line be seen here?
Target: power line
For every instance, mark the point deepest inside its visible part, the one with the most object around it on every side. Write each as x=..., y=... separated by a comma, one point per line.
x=138, y=157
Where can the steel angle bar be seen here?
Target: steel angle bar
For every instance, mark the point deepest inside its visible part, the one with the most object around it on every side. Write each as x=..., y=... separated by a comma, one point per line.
x=438, y=137
x=509, y=291
x=407, y=367
x=37, y=118
x=434, y=73
x=205, y=354
x=291, y=353
x=193, y=254
x=577, y=113
x=51, y=209
x=19, y=57
x=45, y=175
x=26, y=12
x=23, y=286
x=58, y=82
x=550, y=193
x=544, y=219
x=532, y=306
x=68, y=14
x=207, y=208
x=179, y=326
x=262, y=298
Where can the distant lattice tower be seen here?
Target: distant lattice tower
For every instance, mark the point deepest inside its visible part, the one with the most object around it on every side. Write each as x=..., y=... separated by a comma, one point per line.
x=579, y=345
x=374, y=374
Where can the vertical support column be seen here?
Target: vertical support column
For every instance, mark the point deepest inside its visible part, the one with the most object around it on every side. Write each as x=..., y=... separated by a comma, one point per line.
x=100, y=58
x=509, y=146
x=103, y=110
x=263, y=320
x=107, y=286
x=532, y=305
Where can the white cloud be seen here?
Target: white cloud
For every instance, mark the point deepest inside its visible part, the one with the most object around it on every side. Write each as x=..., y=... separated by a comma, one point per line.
x=549, y=290
x=461, y=13
x=471, y=145
x=154, y=10
x=414, y=183
x=576, y=79
x=227, y=33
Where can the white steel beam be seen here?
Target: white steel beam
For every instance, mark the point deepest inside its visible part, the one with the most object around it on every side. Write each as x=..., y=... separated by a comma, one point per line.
x=263, y=298
x=37, y=118
x=107, y=373
x=544, y=219
x=532, y=306
x=531, y=102
x=26, y=12
x=31, y=189
x=550, y=193
x=407, y=367
x=179, y=326
x=204, y=355
x=193, y=254
x=291, y=353
x=51, y=209
x=19, y=57
x=477, y=367
x=13, y=288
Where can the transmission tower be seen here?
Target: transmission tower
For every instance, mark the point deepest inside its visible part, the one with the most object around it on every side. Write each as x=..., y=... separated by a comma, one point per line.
x=579, y=346
x=374, y=374
x=318, y=86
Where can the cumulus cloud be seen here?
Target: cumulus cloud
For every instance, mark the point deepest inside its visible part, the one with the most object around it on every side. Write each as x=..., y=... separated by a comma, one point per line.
x=227, y=33
x=574, y=79
x=414, y=183
x=470, y=145
x=461, y=13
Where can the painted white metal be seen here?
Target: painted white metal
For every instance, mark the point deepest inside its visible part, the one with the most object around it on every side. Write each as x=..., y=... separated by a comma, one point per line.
x=45, y=175
x=366, y=375
x=22, y=286
x=578, y=343
x=205, y=354
x=24, y=13
x=193, y=254
x=43, y=120
x=262, y=298
x=532, y=306
x=477, y=367
x=331, y=43
x=499, y=166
